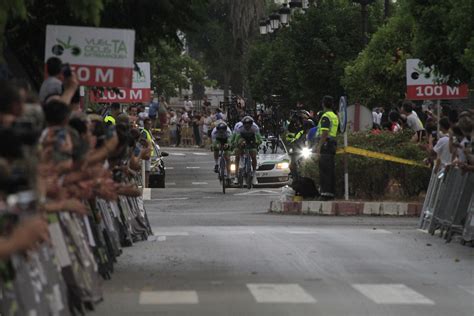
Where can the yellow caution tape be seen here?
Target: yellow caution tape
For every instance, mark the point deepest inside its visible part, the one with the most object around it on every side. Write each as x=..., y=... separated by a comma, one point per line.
x=376, y=155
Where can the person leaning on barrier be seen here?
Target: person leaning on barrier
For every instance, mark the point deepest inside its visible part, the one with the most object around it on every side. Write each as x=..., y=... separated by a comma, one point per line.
x=464, y=149
x=326, y=149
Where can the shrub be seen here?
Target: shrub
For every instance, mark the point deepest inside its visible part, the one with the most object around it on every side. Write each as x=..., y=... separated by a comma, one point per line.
x=370, y=178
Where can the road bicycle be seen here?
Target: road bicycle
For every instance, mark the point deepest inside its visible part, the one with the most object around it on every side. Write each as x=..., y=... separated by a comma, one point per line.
x=245, y=171
x=223, y=175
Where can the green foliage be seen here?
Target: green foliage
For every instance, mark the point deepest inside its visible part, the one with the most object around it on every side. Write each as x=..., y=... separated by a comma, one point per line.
x=370, y=178
x=444, y=36
x=306, y=61
x=173, y=70
x=378, y=75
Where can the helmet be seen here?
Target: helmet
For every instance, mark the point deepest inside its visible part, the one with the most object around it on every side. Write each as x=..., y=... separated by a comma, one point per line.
x=247, y=120
x=221, y=126
x=304, y=114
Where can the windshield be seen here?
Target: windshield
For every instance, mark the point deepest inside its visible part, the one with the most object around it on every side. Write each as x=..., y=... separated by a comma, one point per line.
x=272, y=147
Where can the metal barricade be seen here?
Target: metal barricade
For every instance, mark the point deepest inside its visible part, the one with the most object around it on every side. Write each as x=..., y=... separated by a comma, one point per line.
x=447, y=202
x=468, y=232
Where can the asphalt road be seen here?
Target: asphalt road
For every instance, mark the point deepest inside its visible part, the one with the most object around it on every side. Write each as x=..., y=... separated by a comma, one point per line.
x=224, y=255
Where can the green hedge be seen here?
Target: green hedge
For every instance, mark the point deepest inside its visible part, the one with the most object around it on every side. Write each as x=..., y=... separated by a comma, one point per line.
x=373, y=178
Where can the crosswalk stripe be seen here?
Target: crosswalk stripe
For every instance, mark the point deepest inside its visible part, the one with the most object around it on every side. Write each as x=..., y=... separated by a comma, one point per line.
x=199, y=183
x=392, y=294
x=279, y=293
x=168, y=297
x=200, y=154
x=468, y=288
x=171, y=234
x=177, y=154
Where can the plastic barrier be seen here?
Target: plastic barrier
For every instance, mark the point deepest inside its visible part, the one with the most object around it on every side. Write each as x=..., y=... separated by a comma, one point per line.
x=449, y=205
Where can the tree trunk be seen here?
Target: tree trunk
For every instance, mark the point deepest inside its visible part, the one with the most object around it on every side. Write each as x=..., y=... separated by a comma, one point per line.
x=227, y=75
x=365, y=22
x=387, y=9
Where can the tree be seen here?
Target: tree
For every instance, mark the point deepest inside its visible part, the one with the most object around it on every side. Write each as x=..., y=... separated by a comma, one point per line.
x=444, y=36
x=378, y=75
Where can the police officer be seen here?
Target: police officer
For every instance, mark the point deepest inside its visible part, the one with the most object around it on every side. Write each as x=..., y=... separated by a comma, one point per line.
x=326, y=149
x=114, y=113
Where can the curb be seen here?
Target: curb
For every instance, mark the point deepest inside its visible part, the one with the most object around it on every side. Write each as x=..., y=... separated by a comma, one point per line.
x=346, y=208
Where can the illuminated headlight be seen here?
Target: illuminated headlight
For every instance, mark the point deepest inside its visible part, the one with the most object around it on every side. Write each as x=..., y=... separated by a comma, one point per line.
x=232, y=167
x=283, y=165
x=306, y=152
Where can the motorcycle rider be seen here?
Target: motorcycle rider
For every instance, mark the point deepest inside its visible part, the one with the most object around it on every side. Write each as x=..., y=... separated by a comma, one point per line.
x=247, y=135
x=220, y=136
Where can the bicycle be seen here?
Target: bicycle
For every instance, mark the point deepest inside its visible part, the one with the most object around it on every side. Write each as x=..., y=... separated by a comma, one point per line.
x=245, y=171
x=223, y=175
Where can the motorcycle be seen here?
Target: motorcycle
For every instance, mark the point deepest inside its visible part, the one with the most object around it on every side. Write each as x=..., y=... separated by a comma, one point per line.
x=158, y=170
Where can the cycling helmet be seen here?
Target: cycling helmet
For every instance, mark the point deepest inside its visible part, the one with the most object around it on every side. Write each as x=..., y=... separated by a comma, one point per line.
x=247, y=120
x=222, y=127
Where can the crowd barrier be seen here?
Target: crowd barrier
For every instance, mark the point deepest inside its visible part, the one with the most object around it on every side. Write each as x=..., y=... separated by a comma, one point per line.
x=64, y=277
x=449, y=205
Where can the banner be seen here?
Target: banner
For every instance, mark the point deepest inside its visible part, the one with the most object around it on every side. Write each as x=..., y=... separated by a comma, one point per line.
x=423, y=84
x=139, y=93
x=99, y=56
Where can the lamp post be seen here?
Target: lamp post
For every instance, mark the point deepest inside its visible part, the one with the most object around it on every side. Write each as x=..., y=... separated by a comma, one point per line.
x=275, y=21
x=263, y=27
x=285, y=13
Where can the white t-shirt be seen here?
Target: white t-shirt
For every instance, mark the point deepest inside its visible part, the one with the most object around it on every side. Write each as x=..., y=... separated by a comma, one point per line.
x=442, y=150
x=377, y=118
x=414, y=122
x=460, y=151
x=188, y=106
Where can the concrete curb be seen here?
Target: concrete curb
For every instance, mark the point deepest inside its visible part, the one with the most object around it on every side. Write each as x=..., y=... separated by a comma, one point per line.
x=346, y=208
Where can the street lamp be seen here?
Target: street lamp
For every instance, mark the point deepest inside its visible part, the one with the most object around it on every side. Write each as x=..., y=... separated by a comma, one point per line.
x=296, y=6
x=263, y=27
x=269, y=27
x=275, y=21
x=285, y=14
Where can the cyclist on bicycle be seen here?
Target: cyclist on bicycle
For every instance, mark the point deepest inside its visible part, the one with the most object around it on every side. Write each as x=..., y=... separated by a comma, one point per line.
x=221, y=135
x=247, y=135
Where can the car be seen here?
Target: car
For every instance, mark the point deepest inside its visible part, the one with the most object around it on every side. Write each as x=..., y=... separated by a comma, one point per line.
x=273, y=163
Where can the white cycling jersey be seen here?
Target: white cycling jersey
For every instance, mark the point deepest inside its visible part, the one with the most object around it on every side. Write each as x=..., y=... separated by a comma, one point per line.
x=239, y=127
x=218, y=134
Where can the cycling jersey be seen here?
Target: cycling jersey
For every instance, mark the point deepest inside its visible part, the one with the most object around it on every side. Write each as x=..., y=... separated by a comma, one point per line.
x=240, y=126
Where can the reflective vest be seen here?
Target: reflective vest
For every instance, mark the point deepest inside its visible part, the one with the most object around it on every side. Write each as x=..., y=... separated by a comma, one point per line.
x=292, y=137
x=334, y=124
x=150, y=141
x=109, y=118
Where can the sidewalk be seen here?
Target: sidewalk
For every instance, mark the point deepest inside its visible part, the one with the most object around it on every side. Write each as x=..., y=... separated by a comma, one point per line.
x=346, y=208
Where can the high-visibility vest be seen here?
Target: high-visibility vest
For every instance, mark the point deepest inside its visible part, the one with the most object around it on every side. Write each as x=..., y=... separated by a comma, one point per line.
x=150, y=141
x=334, y=121
x=109, y=118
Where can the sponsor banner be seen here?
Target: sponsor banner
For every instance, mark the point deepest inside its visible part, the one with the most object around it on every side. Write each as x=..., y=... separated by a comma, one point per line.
x=424, y=84
x=140, y=92
x=99, y=56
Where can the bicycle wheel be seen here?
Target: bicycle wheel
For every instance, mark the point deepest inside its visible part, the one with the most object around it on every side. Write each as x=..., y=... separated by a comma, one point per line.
x=248, y=173
x=223, y=174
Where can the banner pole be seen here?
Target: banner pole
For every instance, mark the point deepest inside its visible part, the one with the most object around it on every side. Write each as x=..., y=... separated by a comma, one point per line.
x=346, y=169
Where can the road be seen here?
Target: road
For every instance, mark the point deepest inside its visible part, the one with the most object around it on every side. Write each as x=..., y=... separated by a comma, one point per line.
x=225, y=255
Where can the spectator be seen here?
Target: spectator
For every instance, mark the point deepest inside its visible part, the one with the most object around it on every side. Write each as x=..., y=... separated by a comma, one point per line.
x=413, y=122
x=173, y=126
x=377, y=116
x=115, y=110
x=195, y=125
x=153, y=111
x=206, y=104
x=142, y=115
x=163, y=112
x=53, y=85
x=394, y=118
x=188, y=105
x=441, y=150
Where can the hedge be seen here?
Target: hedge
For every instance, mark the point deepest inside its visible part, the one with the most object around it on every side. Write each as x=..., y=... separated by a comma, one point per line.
x=373, y=178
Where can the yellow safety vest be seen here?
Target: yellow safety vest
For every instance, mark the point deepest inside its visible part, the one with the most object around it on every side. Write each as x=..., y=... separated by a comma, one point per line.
x=334, y=120
x=150, y=140
x=109, y=118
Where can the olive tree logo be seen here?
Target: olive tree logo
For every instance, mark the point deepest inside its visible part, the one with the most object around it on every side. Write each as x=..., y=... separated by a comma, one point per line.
x=59, y=48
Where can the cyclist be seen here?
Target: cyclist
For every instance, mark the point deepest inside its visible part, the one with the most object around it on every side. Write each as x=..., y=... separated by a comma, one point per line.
x=220, y=136
x=247, y=135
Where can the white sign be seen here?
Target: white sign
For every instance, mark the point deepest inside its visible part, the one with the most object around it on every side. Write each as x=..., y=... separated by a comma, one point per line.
x=424, y=84
x=98, y=56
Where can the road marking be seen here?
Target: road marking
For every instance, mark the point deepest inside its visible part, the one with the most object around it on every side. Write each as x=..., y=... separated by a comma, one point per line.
x=171, y=234
x=172, y=199
x=301, y=232
x=146, y=194
x=169, y=168
x=156, y=238
x=168, y=297
x=199, y=183
x=177, y=154
x=377, y=231
x=193, y=167
x=201, y=154
x=259, y=193
x=279, y=293
x=468, y=288
x=392, y=294
x=170, y=183
x=209, y=197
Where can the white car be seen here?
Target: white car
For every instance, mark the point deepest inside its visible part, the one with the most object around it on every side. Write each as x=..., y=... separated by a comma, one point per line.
x=273, y=163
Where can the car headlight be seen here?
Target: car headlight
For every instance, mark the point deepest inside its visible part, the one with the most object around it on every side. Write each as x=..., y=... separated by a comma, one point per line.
x=283, y=165
x=232, y=167
x=306, y=152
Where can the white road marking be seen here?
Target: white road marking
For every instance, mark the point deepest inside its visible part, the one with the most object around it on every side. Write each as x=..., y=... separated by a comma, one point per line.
x=301, y=232
x=209, y=197
x=177, y=154
x=279, y=293
x=171, y=234
x=392, y=294
x=193, y=167
x=259, y=193
x=170, y=183
x=377, y=231
x=169, y=168
x=201, y=154
x=172, y=199
x=168, y=297
x=199, y=183
x=146, y=194
x=161, y=238
x=468, y=288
